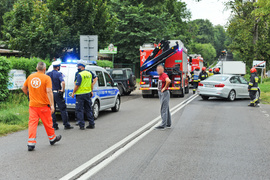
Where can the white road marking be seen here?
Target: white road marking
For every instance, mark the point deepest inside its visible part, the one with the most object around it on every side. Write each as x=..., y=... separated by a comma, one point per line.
x=98, y=162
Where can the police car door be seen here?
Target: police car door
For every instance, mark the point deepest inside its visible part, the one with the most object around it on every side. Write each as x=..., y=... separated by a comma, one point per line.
x=110, y=93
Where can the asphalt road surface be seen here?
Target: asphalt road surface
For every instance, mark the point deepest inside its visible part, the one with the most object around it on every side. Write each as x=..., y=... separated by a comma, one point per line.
x=213, y=139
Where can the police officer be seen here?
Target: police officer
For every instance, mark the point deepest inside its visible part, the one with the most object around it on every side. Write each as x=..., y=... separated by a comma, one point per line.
x=253, y=87
x=58, y=87
x=203, y=75
x=195, y=78
x=83, y=91
x=210, y=73
x=94, y=77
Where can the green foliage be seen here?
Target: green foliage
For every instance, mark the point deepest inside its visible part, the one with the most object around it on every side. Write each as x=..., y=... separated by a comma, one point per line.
x=207, y=51
x=142, y=22
x=249, y=30
x=4, y=69
x=105, y=63
x=5, y=6
x=26, y=64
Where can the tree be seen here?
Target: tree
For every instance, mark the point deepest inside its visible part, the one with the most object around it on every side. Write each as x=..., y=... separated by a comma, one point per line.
x=144, y=21
x=84, y=17
x=31, y=28
x=207, y=51
x=5, y=6
x=220, y=37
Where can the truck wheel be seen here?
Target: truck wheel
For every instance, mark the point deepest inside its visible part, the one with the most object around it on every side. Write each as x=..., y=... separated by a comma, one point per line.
x=127, y=93
x=121, y=90
x=182, y=93
x=145, y=96
x=96, y=110
x=187, y=89
x=117, y=105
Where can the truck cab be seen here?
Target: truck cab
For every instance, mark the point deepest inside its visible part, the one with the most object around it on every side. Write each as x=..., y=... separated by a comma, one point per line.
x=173, y=56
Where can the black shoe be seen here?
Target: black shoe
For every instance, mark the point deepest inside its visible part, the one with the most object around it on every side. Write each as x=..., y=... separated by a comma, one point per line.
x=160, y=128
x=168, y=127
x=69, y=127
x=58, y=138
x=31, y=148
x=251, y=104
x=56, y=128
x=82, y=128
x=90, y=127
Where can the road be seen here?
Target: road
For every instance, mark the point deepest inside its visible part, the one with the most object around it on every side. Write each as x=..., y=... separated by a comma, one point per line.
x=213, y=139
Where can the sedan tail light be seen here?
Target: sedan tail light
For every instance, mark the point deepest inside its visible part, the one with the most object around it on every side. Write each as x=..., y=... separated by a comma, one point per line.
x=200, y=84
x=220, y=85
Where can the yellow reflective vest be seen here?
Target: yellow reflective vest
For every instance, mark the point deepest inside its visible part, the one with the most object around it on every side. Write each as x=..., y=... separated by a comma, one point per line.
x=86, y=84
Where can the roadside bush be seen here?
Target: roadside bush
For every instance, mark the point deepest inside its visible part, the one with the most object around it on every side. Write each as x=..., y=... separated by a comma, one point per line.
x=5, y=67
x=105, y=63
x=26, y=64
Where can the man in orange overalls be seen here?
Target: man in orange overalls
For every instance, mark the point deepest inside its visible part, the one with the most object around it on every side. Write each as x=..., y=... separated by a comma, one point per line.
x=41, y=105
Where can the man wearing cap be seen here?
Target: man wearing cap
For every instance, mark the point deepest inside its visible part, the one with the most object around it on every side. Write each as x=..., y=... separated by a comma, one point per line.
x=83, y=91
x=58, y=87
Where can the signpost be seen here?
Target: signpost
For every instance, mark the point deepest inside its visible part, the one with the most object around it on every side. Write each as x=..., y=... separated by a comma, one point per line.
x=111, y=49
x=89, y=47
x=259, y=65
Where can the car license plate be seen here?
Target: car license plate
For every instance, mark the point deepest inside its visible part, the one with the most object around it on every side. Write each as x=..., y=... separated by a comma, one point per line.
x=208, y=85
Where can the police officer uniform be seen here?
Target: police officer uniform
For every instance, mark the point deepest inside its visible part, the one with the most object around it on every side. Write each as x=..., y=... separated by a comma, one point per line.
x=253, y=88
x=83, y=97
x=57, y=79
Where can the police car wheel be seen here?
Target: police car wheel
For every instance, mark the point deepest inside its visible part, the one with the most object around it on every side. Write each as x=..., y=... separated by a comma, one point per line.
x=96, y=109
x=117, y=105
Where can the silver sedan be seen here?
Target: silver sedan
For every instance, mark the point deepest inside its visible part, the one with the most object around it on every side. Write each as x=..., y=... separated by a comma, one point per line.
x=224, y=86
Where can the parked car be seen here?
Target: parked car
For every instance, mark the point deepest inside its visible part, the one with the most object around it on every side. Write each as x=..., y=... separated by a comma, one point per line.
x=125, y=79
x=105, y=93
x=224, y=86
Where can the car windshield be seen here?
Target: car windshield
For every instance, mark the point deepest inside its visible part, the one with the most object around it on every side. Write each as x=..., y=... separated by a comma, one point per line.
x=117, y=74
x=217, y=78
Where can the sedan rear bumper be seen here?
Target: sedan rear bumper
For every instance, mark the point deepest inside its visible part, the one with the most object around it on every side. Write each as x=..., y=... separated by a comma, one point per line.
x=213, y=92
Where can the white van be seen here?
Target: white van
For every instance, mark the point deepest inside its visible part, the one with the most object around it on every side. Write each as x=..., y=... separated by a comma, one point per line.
x=105, y=94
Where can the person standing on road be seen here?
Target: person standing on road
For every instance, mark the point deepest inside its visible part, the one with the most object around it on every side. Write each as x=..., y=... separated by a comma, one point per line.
x=58, y=87
x=203, y=75
x=83, y=91
x=210, y=73
x=195, y=78
x=164, y=97
x=41, y=105
x=253, y=88
x=94, y=77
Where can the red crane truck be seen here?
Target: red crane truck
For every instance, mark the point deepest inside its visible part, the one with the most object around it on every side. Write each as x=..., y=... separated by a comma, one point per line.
x=173, y=56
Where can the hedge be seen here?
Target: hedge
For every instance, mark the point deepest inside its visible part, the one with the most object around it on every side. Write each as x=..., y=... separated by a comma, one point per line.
x=5, y=67
x=105, y=63
x=26, y=64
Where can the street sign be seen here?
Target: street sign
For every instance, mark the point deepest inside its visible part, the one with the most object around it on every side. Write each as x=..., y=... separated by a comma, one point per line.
x=89, y=47
x=16, y=79
x=259, y=64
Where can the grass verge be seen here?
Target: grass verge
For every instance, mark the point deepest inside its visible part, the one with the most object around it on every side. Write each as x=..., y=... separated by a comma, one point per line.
x=265, y=91
x=14, y=113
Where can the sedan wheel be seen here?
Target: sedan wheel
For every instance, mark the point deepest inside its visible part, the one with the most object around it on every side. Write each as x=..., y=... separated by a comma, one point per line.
x=232, y=95
x=96, y=110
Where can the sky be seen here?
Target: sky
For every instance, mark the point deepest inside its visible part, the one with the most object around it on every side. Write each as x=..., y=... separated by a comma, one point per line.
x=214, y=10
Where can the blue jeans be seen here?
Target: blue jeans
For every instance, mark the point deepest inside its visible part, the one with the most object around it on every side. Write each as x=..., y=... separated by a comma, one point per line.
x=84, y=105
x=60, y=101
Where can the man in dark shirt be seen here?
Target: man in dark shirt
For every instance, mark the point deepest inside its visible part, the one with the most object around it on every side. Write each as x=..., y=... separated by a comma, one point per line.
x=58, y=87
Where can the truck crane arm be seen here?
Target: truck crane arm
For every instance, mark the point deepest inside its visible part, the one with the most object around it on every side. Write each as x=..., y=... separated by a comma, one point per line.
x=159, y=59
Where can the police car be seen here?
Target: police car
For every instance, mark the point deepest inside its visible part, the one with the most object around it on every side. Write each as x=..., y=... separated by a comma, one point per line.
x=105, y=93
